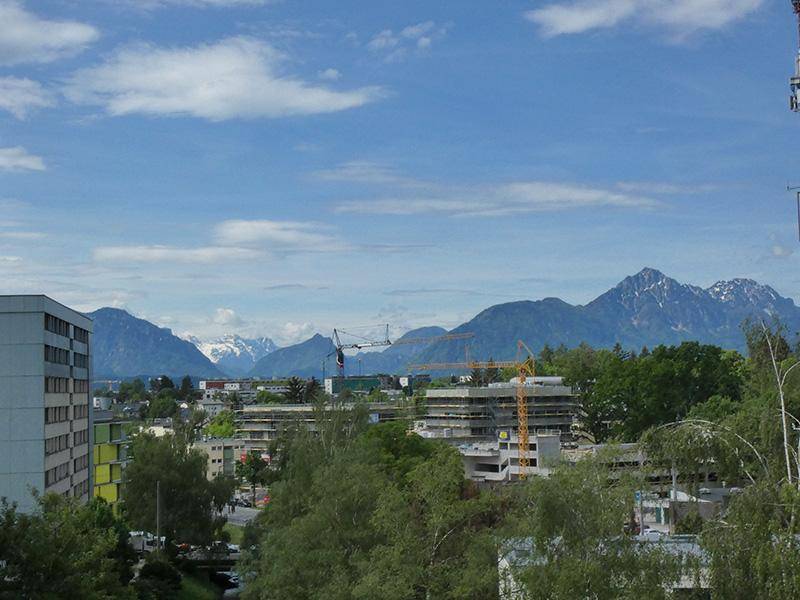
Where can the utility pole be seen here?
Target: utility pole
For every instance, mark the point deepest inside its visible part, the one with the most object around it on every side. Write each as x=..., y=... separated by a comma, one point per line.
x=158, y=515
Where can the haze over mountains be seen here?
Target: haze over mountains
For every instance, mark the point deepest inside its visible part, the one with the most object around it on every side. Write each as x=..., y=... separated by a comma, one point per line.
x=645, y=309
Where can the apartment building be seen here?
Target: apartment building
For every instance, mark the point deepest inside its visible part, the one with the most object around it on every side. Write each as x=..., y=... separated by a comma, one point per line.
x=259, y=424
x=223, y=453
x=110, y=456
x=45, y=411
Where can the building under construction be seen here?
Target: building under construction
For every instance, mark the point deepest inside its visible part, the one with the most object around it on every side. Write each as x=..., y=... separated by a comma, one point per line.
x=477, y=414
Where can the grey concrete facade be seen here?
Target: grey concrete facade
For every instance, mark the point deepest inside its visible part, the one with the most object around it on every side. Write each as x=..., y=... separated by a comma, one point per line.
x=45, y=409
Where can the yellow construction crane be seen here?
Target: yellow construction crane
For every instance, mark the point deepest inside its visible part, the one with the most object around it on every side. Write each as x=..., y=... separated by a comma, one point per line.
x=525, y=368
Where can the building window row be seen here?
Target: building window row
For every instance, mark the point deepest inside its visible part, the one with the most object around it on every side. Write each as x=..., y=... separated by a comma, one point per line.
x=56, y=414
x=81, y=489
x=80, y=360
x=81, y=335
x=81, y=411
x=56, y=385
x=56, y=474
x=56, y=355
x=56, y=444
x=80, y=386
x=80, y=463
x=56, y=325
x=80, y=437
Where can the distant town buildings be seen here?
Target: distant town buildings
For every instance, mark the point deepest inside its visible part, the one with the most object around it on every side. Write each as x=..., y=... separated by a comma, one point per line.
x=259, y=424
x=223, y=454
x=45, y=413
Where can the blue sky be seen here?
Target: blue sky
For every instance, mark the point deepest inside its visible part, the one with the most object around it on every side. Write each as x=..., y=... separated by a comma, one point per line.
x=284, y=167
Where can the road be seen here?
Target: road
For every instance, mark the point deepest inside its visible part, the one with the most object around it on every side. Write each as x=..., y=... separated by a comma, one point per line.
x=242, y=516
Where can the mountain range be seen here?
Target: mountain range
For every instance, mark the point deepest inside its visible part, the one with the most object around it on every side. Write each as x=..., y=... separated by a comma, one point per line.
x=234, y=354
x=645, y=309
x=126, y=346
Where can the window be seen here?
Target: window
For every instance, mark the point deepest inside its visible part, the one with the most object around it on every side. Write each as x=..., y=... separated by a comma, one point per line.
x=56, y=474
x=56, y=355
x=80, y=463
x=81, y=489
x=80, y=437
x=81, y=360
x=81, y=335
x=80, y=386
x=56, y=385
x=56, y=444
x=81, y=411
x=56, y=414
x=56, y=325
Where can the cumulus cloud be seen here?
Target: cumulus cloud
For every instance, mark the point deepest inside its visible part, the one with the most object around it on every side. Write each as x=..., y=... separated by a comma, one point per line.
x=330, y=74
x=227, y=317
x=237, y=77
x=501, y=200
x=17, y=158
x=680, y=17
x=396, y=45
x=20, y=96
x=172, y=254
x=27, y=38
x=292, y=333
x=276, y=235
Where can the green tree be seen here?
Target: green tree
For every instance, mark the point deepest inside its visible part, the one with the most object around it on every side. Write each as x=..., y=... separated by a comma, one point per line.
x=565, y=538
x=223, y=425
x=253, y=469
x=492, y=373
x=477, y=377
x=311, y=390
x=186, y=493
x=61, y=551
x=162, y=382
x=222, y=490
x=436, y=536
x=158, y=578
x=265, y=397
x=187, y=389
x=296, y=390
x=755, y=552
x=163, y=405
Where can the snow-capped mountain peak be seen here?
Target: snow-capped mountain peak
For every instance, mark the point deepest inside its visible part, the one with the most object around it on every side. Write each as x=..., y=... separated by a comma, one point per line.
x=233, y=353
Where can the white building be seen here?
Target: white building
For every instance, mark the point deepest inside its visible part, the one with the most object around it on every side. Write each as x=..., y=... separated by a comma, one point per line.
x=45, y=413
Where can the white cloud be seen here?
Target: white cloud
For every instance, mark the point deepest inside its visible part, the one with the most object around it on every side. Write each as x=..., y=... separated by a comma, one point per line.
x=227, y=317
x=330, y=74
x=19, y=96
x=292, y=333
x=17, y=158
x=665, y=188
x=275, y=235
x=10, y=260
x=363, y=171
x=27, y=38
x=501, y=200
x=172, y=254
x=781, y=251
x=235, y=78
x=21, y=235
x=397, y=45
x=151, y=4
x=680, y=17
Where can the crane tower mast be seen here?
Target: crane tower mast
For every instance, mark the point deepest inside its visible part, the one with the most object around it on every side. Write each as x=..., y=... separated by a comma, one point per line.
x=794, y=81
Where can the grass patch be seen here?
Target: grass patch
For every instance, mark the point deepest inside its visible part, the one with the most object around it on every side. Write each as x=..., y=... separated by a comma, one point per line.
x=235, y=531
x=197, y=588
